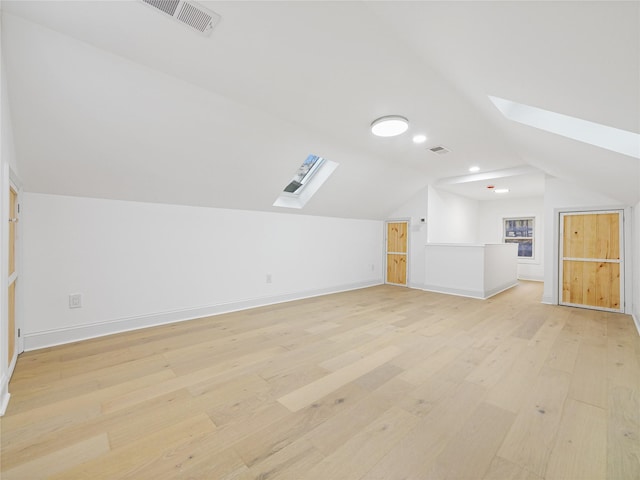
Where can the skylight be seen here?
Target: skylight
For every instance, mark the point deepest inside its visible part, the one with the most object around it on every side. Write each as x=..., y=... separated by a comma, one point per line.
x=610, y=138
x=307, y=180
x=304, y=174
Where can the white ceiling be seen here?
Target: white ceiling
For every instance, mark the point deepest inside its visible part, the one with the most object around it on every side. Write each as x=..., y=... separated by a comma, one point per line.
x=521, y=182
x=115, y=100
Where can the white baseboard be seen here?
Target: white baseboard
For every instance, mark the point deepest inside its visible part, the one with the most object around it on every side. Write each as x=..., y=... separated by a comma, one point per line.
x=548, y=300
x=4, y=386
x=4, y=394
x=530, y=279
x=60, y=336
x=494, y=291
x=453, y=291
x=479, y=294
x=4, y=403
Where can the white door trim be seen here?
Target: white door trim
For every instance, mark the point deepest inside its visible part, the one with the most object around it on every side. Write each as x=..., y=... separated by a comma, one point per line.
x=16, y=183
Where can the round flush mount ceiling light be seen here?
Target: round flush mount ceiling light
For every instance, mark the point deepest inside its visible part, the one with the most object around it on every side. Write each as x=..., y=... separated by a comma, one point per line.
x=420, y=138
x=474, y=169
x=389, y=126
x=501, y=190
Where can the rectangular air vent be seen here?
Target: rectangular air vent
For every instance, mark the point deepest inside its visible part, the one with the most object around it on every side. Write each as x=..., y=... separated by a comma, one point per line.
x=439, y=150
x=188, y=13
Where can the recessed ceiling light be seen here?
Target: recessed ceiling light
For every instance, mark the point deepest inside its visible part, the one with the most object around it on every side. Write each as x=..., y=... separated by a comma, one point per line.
x=474, y=169
x=389, y=126
x=501, y=190
x=419, y=138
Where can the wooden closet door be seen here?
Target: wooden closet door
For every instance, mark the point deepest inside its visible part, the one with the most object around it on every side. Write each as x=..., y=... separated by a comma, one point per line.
x=591, y=260
x=397, y=235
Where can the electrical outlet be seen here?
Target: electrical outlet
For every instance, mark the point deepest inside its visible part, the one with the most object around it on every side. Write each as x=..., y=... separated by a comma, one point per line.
x=75, y=300
x=269, y=279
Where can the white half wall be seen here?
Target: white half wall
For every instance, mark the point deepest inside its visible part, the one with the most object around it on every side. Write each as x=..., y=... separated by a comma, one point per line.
x=455, y=269
x=490, y=229
x=478, y=271
x=500, y=267
x=141, y=264
x=451, y=218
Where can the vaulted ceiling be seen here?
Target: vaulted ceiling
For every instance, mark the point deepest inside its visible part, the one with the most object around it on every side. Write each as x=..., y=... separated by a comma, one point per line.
x=116, y=100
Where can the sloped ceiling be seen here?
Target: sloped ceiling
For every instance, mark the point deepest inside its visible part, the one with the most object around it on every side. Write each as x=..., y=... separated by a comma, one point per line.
x=115, y=100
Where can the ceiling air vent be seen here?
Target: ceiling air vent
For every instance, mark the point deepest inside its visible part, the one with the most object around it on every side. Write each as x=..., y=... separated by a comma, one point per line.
x=188, y=13
x=439, y=150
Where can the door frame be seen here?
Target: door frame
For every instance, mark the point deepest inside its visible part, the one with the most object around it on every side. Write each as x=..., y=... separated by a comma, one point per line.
x=10, y=180
x=406, y=220
x=16, y=184
x=625, y=240
x=7, y=177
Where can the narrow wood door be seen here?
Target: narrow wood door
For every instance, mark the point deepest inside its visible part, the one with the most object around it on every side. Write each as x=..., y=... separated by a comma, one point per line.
x=591, y=260
x=13, y=218
x=397, y=252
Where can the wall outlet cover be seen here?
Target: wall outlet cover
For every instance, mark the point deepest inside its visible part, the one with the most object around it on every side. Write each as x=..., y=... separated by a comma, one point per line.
x=75, y=300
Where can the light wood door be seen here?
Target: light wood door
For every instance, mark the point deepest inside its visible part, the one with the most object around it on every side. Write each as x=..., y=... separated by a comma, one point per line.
x=13, y=219
x=397, y=251
x=591, y=260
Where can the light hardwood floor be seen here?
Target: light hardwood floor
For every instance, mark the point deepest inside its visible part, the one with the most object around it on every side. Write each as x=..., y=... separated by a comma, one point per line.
x=382, y=383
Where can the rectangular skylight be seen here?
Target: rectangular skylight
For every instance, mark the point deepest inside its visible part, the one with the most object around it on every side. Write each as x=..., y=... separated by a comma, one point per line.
x=310, y=176
x=610, y=138
x=308, y=168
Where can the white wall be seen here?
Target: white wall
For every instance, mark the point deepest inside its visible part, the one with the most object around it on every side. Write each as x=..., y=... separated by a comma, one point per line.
x=451, y=218
x=7, y=143
x=560, y=195
x=490, y=229
x=500, y=267
x=139, y=264
x=478, y=271
x=455, y=269
x=415, y=210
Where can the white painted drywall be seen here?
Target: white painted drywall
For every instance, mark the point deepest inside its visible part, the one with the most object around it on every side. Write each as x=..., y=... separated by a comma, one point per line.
x=451, y=218
x=478, y=271
x=490, y=229
x=138, y=264
x=457, y=269
x=7, y=143
x=109, y=127
x=415, y=210
x=560, y=195
x=500, y=267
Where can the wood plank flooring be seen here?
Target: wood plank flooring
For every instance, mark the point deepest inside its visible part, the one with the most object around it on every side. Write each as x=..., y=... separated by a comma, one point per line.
x=383, y=383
